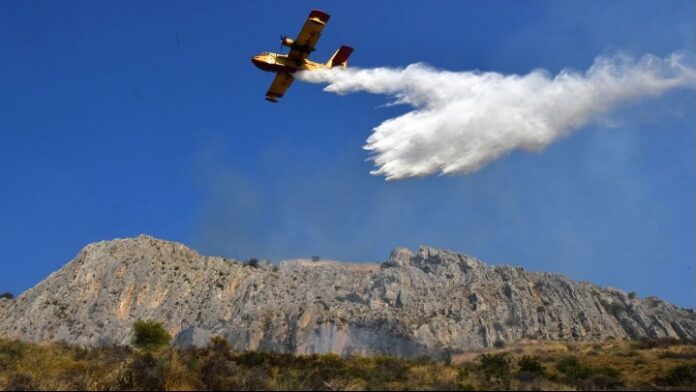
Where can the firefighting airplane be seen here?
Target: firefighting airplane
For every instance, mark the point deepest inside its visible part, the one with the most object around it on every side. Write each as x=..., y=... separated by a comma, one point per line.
x=296, y=60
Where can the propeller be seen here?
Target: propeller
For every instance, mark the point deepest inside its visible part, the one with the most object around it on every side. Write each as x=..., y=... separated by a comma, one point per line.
x=285, y=41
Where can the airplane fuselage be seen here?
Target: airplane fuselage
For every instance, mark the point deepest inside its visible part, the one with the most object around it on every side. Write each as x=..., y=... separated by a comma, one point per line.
x=274, y=62
x=285, y=65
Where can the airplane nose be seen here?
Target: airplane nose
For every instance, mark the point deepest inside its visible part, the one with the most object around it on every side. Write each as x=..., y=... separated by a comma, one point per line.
x=256, y=61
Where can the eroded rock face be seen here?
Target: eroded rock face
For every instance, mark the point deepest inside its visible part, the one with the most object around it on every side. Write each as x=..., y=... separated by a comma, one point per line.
x=4, y=305
x=415, y=303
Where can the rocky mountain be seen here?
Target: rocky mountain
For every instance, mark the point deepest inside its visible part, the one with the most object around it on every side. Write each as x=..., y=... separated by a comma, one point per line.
x=427, y=302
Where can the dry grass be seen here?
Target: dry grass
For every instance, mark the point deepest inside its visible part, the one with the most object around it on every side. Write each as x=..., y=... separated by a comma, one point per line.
x=550, y=366
x=639, y=363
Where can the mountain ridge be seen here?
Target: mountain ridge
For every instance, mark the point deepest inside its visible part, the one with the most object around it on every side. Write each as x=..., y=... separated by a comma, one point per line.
x=425, y=302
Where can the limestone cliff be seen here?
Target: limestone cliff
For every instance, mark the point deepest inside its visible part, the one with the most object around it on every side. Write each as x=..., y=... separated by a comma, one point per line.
x=414, y=303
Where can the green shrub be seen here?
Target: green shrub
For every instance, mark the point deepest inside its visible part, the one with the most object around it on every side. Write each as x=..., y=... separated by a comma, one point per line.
x=7, y=295
x=386, y=366
x=680, y=376
x=530, y=368
x=21, y=382
x=258, y=381
x=496, y=369
x=587, y=377
x=688, y=355
x=219, y=345
x=10, y=352
x=447, y=358
x=604, y=378
x=614, y=308
x=147, y=373
x=601, y=382
x=649, y=343
x=424, y=359
x=253, y=263
x=218, y=373
x=573, y=370
x=149, y=335
x=75, y=376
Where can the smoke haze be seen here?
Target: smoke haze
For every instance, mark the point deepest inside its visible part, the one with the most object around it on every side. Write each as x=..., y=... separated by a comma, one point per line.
x=462, y=120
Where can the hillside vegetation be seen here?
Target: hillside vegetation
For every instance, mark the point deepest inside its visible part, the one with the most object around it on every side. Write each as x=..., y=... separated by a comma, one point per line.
x=611, y=365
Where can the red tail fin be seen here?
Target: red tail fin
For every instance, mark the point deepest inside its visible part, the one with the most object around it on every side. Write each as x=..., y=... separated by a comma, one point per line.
x=340, y=57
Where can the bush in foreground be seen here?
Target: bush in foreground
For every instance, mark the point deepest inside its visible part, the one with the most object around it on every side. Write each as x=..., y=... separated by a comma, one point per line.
x=682, y=376
x=496, y=369
x=149, y=335
x=530, y=368
x=588, y=377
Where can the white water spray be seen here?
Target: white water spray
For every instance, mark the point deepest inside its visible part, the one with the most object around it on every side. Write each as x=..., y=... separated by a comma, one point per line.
x=462, y=120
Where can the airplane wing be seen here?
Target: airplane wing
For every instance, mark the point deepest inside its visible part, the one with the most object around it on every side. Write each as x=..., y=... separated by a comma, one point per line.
x=309, y=35
x=282, y=82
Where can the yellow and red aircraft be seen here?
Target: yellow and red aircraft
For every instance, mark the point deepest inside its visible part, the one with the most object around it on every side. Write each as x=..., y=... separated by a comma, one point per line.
x=286, y=64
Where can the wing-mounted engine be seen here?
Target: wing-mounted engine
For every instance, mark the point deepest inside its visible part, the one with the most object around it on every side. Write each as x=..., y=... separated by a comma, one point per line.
x=301, y=47
x=293, y=45
x=286, y=41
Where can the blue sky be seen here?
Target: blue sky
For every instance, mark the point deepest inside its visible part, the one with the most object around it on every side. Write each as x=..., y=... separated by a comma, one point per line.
x=122, y=118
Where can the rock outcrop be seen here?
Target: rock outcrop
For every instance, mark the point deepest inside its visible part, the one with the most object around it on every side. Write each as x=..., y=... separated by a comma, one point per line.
x=5, y=303
x=427, y=302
